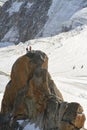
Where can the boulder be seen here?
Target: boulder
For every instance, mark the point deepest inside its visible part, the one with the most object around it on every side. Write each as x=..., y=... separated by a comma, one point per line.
x=30, y=69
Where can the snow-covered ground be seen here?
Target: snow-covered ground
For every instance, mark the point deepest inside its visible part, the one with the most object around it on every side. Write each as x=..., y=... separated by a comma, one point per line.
x=67, y=54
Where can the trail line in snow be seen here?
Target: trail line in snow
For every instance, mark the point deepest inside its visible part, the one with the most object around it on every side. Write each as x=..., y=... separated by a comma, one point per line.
x=79, y=83
x=3, y=73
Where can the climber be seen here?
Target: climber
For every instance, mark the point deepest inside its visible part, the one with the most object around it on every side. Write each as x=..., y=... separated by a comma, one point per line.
x=28, y=49
x=81, y=66
x=74, y=67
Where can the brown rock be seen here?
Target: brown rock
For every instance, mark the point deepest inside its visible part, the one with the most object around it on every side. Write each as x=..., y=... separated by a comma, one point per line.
x=71, y=116
x=30, y=77
x=79, y=121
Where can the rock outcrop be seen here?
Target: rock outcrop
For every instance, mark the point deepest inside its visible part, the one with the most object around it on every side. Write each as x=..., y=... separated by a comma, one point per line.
x=29, y=70
x=32, y=94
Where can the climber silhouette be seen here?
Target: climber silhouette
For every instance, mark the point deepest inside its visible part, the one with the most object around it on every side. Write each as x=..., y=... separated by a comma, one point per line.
x=28, y=49
x=74, y=67
x=81, y=66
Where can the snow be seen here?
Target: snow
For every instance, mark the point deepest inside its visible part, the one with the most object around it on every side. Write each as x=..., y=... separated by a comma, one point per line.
x=5, y=44
x=56, y=21
x=29, y=5
x=12, y=35
x=31, y=127
x=79, y=18
x=28, y=126
x=14, y=7
x=64, y=51
x=2, y=2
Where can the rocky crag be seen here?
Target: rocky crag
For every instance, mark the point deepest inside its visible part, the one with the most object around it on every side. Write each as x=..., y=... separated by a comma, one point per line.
x=32, y=94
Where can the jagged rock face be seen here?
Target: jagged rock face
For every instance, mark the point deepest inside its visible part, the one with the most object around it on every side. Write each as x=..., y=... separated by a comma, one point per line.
x=57, y=116
x=21, y=20
x=30, y=73
x=71, y=116
x=62, y=115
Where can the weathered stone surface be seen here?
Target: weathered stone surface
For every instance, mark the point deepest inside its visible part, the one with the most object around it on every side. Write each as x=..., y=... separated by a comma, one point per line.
x=25, y=23
x=31, y=72
x=71, y=116
x=32, y=94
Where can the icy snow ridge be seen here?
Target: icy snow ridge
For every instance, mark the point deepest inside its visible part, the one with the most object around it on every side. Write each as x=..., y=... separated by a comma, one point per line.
x=61, y=13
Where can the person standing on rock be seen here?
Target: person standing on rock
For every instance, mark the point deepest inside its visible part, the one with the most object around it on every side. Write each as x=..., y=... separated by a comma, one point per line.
x=28, y=49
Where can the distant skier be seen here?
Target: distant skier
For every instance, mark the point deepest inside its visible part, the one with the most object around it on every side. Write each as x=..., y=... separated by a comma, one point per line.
x=81, y=66
x=74, y=67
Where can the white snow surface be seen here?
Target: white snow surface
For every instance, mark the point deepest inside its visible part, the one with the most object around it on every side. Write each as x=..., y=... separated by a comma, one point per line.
x=14, y=7
x=28, y=126
x=2, y=2
x=67, y=54
x=61, y=13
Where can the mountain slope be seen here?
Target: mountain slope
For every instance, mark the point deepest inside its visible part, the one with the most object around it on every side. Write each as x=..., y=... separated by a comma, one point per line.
x=62, y=16
x=65, y=51
x=24, y=20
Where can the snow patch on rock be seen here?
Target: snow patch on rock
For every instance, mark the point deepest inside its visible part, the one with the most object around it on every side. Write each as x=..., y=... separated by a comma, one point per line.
x=29, y=5
x=27, y=125
x=14, y=7
x=12, y=35
x=79, y=18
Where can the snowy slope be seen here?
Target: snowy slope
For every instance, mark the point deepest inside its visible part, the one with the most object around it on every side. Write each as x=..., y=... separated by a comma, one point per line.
x=67, y=63
x=65, y=15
